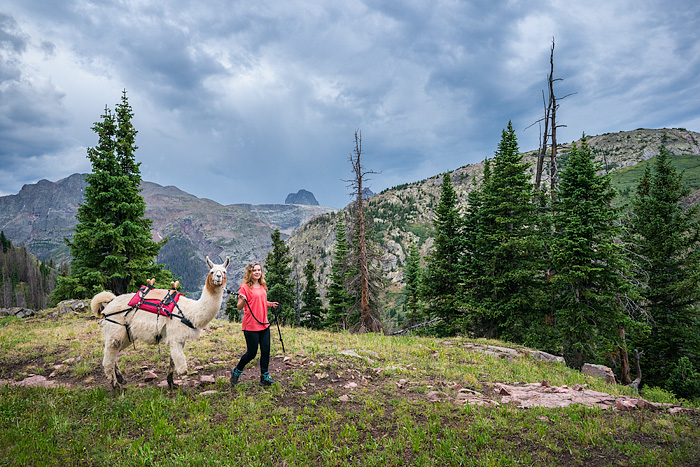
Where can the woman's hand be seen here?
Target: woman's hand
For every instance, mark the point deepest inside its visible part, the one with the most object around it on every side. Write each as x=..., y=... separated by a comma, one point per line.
x=274, y=304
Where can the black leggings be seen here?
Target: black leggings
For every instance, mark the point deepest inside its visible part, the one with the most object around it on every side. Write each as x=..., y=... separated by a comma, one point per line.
x=252, y=340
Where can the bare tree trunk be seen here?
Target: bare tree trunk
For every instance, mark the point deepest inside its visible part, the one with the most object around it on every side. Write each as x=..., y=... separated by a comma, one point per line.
x=543, y=144
x=369, y=321
x=624, y=358
x=635, y=384
x=553, y=116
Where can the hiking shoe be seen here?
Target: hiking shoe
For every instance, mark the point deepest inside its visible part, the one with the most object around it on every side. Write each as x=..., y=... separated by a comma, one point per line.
x=235, y=375
x=265, y=379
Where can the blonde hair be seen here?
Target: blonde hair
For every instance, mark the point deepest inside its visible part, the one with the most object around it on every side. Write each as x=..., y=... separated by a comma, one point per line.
x=248, y=275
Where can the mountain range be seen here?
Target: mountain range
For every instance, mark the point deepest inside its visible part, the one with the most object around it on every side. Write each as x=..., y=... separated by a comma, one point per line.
x=41, y=215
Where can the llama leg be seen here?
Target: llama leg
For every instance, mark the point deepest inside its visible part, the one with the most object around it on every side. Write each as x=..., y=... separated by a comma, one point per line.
x=109, y=363
x=118, y=373
x=171, y=382
x=178, y=361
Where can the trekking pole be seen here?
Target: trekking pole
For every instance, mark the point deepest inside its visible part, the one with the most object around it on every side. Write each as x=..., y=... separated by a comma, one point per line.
x=277, y=320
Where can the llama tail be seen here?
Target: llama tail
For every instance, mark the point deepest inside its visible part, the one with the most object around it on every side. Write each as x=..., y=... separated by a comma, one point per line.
x=100, y=301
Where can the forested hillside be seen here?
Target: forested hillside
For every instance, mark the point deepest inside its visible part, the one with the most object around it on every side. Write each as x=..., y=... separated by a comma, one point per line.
x=403, y=214
x=24, y=280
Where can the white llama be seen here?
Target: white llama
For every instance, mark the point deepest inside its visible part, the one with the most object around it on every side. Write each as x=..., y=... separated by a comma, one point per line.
x=120, y=329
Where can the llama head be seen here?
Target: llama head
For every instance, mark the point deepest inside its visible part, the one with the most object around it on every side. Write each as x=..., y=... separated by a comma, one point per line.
x=217, y=275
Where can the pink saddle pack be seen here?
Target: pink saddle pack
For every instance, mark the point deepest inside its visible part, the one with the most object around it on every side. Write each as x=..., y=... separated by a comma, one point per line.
x=159, y=301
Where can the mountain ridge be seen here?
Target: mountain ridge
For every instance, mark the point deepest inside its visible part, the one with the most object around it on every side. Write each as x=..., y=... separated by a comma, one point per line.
x=42, y=214
x=403, y=214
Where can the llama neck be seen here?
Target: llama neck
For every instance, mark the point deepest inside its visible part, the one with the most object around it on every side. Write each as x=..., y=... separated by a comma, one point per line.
x=207, y=306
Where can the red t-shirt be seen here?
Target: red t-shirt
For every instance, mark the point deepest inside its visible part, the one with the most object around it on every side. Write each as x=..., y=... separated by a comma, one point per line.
x=257, y=299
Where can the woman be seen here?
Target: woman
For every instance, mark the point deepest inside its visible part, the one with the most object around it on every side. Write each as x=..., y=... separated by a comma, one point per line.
x=252, y=299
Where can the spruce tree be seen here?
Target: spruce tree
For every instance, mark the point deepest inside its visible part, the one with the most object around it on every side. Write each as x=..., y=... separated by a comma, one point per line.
x=5, y=243
x=312, y=308
x=666, y=235
x=440, y=286
x=475, y=258
x=339, y=300
x=590, y=285
x=506, y=247
x=112, y=247
x=278, y=277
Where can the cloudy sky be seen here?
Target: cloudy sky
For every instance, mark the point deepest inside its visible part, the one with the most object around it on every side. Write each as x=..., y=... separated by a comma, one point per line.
x=248, y=101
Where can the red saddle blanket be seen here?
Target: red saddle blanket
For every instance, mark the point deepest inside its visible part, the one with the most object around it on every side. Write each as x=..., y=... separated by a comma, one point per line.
x=158, y=301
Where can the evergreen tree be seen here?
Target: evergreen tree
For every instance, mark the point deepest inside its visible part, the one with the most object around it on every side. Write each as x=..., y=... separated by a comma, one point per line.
x=474, y=257
x=666, y=236
x=5, y=243
x=339, y=300
x=232, y=311
x=589, y=285
x=279, y=282
x=112, y=247
x=504, y=269
x=412, y=274
x=440, y=286
x=312, y=308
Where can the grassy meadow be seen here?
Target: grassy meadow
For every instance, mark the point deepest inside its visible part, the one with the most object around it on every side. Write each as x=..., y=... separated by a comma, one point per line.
x=393, y=402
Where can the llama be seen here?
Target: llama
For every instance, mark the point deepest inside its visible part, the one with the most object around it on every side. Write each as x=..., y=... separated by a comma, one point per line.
x=121, y=329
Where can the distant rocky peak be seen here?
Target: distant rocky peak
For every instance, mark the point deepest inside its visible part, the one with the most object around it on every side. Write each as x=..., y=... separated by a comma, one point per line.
x=301, y=197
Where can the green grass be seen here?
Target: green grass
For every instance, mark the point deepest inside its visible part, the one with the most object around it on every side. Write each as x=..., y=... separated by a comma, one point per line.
x=626, y=180
x=305, y=420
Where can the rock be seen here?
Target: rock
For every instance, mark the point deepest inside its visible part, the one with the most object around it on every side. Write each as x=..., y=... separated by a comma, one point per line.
x=625, y=405
x=70, y=306
x=150, y=376
x=207, y=379
x=546, y=357
x=436, y=396
x=352, y=353
x=600, y=371
x=17, y=312
x=36, y=381
x=301, y=197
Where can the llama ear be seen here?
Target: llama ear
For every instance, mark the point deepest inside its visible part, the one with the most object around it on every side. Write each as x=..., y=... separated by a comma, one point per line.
x=227, y=262
x=209, y=263
x=175, y=285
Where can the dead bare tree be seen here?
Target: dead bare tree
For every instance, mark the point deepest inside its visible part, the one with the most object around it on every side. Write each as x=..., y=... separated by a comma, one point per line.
x=361, y=253
x=635, y=384
x=543, y=145
x=551, y=106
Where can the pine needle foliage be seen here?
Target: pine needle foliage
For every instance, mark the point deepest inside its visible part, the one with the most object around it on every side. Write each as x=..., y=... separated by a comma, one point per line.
x=278, y=273
x=112, y=247
x=440, y=286
x=339, y=299
x=504, y=269
x=590, y=285
x=666, y=236
x=312, y=308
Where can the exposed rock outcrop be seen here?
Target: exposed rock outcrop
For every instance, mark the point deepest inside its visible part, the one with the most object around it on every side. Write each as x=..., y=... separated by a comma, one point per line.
x=301, y=197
